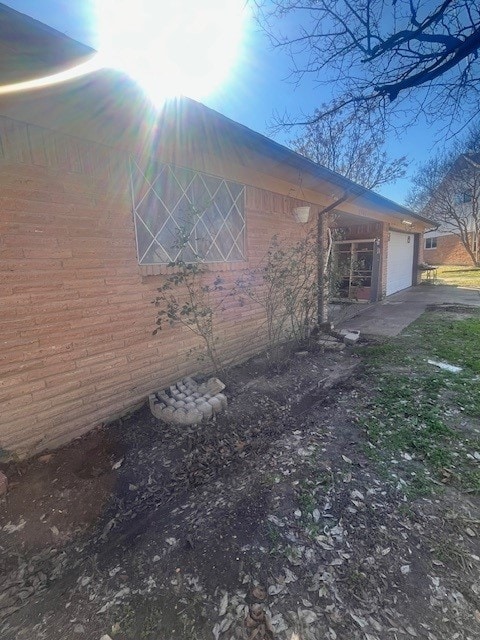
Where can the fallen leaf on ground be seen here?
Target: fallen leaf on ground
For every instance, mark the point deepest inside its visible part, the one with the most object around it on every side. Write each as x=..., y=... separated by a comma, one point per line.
x=259, y=593
x=222, y=609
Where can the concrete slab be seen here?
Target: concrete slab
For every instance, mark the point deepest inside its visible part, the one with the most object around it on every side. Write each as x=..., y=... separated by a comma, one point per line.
x=390, y=316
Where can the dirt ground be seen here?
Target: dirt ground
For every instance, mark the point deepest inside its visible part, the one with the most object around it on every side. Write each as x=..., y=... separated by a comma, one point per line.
x=270, y=522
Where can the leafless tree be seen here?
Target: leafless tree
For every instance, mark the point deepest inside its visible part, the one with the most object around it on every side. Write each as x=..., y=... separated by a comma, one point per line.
x=381, y=56
x=346, y=146
x=447, y=190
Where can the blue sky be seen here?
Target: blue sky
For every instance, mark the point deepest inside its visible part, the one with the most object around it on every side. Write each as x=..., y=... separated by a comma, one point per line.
x=258, y=89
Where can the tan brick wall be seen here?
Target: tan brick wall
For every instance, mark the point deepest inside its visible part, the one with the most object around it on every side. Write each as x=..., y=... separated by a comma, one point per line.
x=449, y=250
x=77, y=318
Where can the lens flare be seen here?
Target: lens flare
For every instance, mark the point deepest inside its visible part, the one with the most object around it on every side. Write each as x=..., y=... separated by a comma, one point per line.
x=172, y=47
x=82, y=69
x=169, y=47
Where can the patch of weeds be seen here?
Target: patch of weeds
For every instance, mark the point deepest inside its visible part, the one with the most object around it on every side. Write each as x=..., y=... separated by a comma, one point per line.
x=384, y=471
x=466, y=395
x=139, y=623
x=308, y=495
x=269, y=479
x=323, y=479
x=307, y=501
x=440, y=457
x=419, y=485
x=369, y=449
x=314, y=529
x=274, y=538
x=356, y=580
x=149, y=620
x=127, y=621
x=150, y=624
x=406, y=510
x=190, y=615
x=316, y=480
x=380, y=353
x=451, y=554
x=470, y=481
x=292, y=554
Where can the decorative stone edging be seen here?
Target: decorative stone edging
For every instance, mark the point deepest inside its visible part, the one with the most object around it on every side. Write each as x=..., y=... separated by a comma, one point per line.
x=187, y=402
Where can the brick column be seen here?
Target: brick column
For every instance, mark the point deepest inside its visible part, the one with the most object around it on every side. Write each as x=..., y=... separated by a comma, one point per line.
x=323, y=220
x=383, y=259
x=418, y=258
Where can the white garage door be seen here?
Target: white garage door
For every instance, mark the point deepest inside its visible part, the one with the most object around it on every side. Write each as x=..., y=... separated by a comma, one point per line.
x=399, y=261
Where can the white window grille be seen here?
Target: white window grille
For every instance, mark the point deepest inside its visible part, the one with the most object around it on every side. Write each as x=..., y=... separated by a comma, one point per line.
x=181, y=214
x=430, y=243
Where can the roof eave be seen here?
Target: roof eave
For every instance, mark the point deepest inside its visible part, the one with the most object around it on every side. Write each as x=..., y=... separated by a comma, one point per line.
x=301, y=163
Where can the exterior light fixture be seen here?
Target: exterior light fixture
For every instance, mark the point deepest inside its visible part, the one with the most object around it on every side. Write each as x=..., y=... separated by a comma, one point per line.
x=301, y=214
x=407, y=223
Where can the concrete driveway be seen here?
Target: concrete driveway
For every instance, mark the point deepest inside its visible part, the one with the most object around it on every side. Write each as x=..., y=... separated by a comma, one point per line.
x=390, y=316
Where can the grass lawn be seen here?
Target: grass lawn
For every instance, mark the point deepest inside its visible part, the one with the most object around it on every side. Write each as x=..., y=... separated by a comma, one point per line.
x=468, y=277
x=423, y=418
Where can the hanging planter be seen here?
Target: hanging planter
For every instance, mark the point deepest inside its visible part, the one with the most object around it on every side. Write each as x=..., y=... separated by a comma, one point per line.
x=301, y=214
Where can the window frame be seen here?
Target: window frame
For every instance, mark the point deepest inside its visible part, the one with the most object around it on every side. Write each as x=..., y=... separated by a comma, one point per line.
x=463, y=197
x=433, y=240
x=238, y=205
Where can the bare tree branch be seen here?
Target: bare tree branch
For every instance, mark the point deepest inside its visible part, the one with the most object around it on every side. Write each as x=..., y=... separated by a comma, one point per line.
x=348, y=147
x=382, y=52
x=450, y=58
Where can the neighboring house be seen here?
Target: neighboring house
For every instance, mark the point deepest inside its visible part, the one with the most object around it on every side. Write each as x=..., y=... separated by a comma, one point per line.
x=442, y=247
x=455, y=207
x=92, y=180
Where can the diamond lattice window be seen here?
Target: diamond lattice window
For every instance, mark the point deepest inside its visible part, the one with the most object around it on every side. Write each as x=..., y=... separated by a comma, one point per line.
x=187, y=215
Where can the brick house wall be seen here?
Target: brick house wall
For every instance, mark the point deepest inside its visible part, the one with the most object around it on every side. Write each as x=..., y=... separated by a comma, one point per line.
x=449, y=250
x=77, y=314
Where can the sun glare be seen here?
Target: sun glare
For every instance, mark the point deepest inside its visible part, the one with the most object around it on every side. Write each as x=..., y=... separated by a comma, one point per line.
x=79, y=70
x=172, y=47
